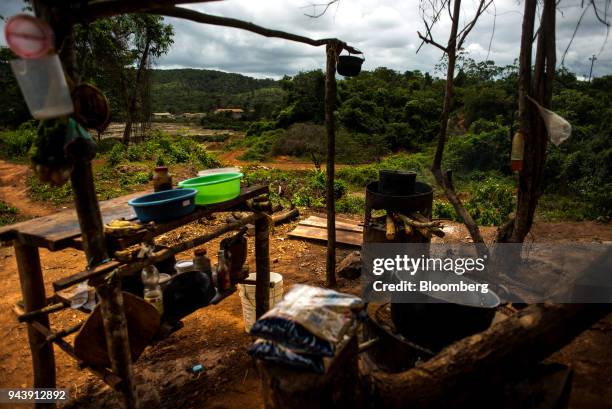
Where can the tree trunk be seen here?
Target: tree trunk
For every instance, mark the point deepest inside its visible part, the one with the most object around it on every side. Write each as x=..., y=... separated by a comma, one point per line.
x=531, y=124
x=133, y=99
x=436, y=168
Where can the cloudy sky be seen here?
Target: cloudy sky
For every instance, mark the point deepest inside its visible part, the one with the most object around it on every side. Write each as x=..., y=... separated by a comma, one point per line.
x=384, y=29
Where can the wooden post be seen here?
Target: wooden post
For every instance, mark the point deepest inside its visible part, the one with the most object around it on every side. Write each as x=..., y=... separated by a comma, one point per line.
x=332, y=50
x=33, y=293
x=262, y=265
x=109, y=293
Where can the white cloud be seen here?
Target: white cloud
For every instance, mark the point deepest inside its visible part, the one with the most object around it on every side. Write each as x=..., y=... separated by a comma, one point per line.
x=384, y=29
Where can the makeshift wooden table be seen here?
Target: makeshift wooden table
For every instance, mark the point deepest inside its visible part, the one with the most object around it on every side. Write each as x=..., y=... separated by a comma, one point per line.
x=61, y=230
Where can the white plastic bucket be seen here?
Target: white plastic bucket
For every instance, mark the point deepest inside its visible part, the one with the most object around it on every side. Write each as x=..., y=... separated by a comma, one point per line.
x=43, y=86
x=247, y=297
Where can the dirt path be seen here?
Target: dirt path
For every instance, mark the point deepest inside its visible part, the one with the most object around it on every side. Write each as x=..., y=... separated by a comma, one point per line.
x=278, y=162
x=13, y=190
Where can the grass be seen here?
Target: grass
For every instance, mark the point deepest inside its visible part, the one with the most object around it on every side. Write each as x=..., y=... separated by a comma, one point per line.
x=8, y=214
x=120, y=171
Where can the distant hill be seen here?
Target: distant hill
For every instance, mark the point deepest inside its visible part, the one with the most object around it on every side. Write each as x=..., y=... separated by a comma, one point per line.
x=194, y=90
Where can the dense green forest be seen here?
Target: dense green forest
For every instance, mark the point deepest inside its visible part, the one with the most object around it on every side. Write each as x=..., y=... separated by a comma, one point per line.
x=387, y=119
x=191, y=90
x=385, y=112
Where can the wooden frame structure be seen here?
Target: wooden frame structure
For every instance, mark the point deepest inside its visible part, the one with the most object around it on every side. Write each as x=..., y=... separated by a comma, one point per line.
x=61, y=230
x=62, y=16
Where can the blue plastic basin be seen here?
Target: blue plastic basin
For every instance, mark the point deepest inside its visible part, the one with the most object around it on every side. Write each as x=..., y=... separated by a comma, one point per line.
x=165, y=205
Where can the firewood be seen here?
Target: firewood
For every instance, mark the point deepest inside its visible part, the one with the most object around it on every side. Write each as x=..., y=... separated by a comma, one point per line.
x=390, y=228
x=423, y=223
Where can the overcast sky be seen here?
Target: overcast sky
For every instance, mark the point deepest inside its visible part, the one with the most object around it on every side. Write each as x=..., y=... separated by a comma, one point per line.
x=384, y=29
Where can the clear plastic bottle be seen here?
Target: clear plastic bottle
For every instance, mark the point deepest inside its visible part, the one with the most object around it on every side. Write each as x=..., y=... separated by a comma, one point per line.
x=152, y=290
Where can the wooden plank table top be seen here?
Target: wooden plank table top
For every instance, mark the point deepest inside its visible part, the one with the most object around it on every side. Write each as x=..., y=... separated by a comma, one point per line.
x=61, y=230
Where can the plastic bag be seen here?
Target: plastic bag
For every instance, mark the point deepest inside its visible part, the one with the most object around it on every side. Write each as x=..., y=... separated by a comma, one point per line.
x=309, y=319
x=273, y=352
x=558, y=128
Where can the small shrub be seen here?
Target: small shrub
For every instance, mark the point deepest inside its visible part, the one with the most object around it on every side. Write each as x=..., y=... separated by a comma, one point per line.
x=443, y=210
x=8, y=214
x=354, y=204
x=16, y=144
x=491, y=201
x=116, y=155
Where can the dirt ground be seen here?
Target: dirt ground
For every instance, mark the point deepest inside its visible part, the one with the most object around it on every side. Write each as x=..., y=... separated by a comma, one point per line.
x=215, y=336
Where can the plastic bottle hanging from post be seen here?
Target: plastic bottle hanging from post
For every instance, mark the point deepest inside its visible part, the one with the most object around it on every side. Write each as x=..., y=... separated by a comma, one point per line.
x=518, y=151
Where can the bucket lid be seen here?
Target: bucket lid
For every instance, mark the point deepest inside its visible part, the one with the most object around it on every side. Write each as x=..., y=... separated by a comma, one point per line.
x=28, y=36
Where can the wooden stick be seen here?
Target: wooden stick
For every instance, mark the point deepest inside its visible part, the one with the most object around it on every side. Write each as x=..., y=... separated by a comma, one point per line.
x=109, y=293
x=262, y=265
x=33, y=293
x=29, y=316
x=390, y=233
x=422, y=226
x=64, y=332
x=331, y=50
x=107, y=376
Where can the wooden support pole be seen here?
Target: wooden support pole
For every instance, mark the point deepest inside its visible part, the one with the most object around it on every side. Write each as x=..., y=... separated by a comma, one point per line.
x=332, y=50
x=109, y=293
x=33, y=293
x=262, y=265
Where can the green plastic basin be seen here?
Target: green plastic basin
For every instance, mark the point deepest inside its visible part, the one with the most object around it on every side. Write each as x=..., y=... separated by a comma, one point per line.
x=214, y=188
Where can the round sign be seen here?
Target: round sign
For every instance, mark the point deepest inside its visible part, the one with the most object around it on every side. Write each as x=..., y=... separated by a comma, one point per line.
x=28, y=36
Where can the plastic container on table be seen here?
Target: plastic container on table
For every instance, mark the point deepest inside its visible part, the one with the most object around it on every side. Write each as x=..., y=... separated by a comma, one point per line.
x=165, y=205
x=44, y=86
x=214, y=188
x=247, y=297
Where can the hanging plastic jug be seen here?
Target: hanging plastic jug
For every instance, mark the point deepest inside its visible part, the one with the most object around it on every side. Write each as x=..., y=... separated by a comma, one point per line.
x=518, y=150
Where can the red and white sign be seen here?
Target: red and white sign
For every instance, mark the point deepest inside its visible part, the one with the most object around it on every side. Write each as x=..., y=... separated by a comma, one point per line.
x=28, y=36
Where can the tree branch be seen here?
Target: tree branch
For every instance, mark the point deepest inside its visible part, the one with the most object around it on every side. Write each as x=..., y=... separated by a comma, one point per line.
x=198, y=17
x=430, y=41
x=482, y=6
x=326, y=5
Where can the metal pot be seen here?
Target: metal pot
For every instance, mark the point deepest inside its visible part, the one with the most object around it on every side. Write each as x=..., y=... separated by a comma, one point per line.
x=435, y=320
x=349, y=65
x=396, y=182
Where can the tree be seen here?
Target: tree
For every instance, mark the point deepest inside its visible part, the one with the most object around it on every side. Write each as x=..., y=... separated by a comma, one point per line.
x=13, y=110
x=116, y=53
x=453, y=46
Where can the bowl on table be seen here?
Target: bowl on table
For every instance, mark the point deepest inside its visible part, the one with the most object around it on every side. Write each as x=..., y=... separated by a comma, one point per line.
x=165, y=205
x=214, y=188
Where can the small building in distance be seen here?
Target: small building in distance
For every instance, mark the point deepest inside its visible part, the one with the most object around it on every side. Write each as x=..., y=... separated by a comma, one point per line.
x=192, y=115
x=235, y=113
x=162, y=115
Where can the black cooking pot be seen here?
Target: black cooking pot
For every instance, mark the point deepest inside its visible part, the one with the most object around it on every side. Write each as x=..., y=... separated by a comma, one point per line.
x=435, y=320
x=396, y=182
x=349, y=65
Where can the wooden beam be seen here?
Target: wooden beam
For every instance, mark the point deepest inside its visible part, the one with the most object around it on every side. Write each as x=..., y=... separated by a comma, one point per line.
x=109, y=293
x=124, y=269
x=262, y=265
x=33, y=293
x=198, y=17
x=332, y=51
